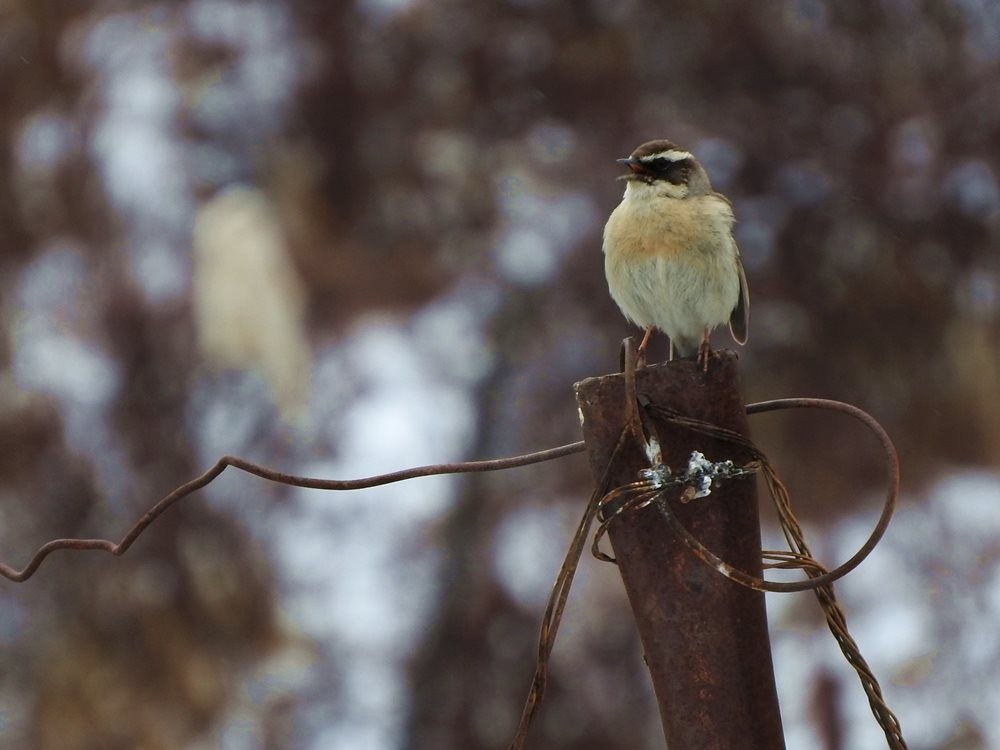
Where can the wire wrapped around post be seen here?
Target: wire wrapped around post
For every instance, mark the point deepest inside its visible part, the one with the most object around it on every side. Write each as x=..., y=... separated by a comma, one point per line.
x=704, y=637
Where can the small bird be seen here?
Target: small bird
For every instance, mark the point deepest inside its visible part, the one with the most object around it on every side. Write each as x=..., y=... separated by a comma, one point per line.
x=669, y=253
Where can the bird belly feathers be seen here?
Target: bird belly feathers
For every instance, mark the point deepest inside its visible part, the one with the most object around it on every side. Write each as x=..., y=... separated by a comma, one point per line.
x=673, y=264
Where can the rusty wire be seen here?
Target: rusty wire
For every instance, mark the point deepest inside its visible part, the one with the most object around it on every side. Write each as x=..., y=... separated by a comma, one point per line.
x=557, y=603
x=647, y=492
x=198, y=483
x=637, y=496
x=789, y=524
x=564, y=578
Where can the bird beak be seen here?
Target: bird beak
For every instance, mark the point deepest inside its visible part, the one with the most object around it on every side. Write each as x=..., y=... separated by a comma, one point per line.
x=632, y=163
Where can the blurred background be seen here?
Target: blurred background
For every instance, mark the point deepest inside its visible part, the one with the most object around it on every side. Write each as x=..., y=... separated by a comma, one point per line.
x=342, y=238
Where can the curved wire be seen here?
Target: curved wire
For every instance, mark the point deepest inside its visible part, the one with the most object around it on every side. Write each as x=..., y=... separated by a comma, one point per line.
x=197, y=483
x=760, y=584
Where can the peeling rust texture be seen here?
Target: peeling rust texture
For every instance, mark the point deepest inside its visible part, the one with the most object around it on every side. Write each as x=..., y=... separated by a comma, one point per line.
x=704, y=636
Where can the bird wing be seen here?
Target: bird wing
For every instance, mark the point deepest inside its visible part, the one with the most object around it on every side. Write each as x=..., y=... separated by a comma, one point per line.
x=740, y=317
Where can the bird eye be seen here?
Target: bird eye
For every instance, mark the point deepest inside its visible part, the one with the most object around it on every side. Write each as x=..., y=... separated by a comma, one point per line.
x=679, y=172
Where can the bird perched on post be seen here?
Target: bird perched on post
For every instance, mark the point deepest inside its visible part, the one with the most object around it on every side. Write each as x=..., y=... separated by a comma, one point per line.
x=669, y=253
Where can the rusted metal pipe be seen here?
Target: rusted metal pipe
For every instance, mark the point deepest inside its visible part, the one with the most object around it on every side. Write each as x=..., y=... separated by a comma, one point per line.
x=704, y=636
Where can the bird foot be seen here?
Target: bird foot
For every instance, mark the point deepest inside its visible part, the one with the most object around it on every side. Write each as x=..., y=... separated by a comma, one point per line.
x=704, y=352
x=640, y=354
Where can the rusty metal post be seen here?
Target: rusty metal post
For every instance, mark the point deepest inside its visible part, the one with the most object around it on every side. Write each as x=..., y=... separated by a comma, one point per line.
x=705, y=637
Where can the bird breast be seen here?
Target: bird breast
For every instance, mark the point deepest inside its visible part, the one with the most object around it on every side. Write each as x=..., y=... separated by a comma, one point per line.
x=672, y=263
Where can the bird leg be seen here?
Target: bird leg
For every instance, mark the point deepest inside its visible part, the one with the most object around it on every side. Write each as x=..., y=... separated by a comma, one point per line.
x=641, y=351
x=704, y=351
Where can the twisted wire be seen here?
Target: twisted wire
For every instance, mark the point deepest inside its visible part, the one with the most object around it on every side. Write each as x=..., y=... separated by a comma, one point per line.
x=643, y=493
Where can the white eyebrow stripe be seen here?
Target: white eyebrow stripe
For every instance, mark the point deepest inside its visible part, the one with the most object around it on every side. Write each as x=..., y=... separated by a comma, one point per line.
x=672, y=154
